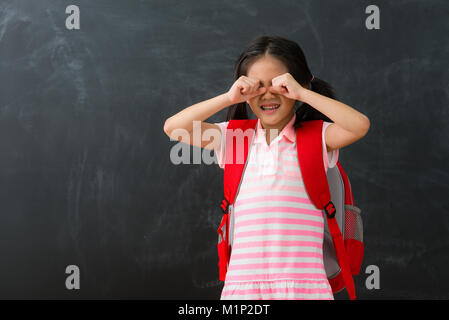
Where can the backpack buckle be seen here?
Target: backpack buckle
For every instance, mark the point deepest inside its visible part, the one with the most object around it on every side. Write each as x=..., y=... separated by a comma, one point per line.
x=224, y=205
x=330, y=209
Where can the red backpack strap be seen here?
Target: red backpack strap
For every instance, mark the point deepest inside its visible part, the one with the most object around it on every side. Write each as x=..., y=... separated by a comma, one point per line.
x=238, y=136
x=310, y=154
x=238, y=139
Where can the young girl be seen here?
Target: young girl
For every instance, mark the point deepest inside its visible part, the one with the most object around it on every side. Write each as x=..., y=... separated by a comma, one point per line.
x=278, y=232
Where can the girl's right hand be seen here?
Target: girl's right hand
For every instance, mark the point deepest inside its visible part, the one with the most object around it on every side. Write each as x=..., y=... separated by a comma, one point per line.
x=243, y=89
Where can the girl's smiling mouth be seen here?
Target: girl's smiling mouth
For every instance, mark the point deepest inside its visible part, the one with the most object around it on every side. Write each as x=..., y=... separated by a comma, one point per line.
x=269, y=108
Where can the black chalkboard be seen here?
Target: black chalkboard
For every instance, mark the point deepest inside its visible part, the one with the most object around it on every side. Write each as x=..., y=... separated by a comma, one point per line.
x=85, y=171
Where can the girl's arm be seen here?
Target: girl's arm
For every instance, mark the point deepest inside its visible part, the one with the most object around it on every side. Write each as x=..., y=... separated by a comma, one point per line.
x=197, y=112
x=243, y=89
x=349, y=124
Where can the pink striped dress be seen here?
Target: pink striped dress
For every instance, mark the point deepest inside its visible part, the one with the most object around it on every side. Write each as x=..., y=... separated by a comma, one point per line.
x=278, y=232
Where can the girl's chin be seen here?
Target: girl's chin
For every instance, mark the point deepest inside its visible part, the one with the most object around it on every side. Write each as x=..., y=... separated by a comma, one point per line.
x=269, y=120
x=271, y=117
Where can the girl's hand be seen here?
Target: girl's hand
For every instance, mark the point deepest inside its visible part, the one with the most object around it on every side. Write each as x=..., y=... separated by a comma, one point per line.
x=287, y=86
x=243, y=89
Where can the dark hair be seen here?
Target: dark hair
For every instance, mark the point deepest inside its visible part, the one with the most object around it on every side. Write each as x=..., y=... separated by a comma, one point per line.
x=291, y=54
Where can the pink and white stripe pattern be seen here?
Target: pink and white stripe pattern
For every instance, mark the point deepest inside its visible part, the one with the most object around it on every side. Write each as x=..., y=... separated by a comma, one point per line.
x=278, y=232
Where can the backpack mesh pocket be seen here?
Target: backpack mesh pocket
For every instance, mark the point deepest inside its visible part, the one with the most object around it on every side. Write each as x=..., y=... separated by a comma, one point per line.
x=353, y=223
x=353, y=237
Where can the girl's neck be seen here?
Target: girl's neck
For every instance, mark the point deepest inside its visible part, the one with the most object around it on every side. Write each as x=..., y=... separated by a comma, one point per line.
x=272, y=131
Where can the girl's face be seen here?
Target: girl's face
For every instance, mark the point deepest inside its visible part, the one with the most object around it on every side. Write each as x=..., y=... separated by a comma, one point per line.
x=265, y=69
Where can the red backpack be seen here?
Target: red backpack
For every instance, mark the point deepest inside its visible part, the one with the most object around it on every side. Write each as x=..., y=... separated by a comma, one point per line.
x=343, y=235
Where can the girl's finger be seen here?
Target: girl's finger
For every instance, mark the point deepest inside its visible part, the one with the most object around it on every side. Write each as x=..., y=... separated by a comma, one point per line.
x=252, y=81
x=259, y=91
x=242, y=87
x=278, y=90
x=252, y=85
x=246, y=85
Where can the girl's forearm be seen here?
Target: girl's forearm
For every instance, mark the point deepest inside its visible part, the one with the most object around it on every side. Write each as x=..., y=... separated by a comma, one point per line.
x=342, y=114
x=199, y=111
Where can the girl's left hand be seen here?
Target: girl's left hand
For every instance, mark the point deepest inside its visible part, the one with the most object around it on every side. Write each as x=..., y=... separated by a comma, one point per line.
x=287, y=86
